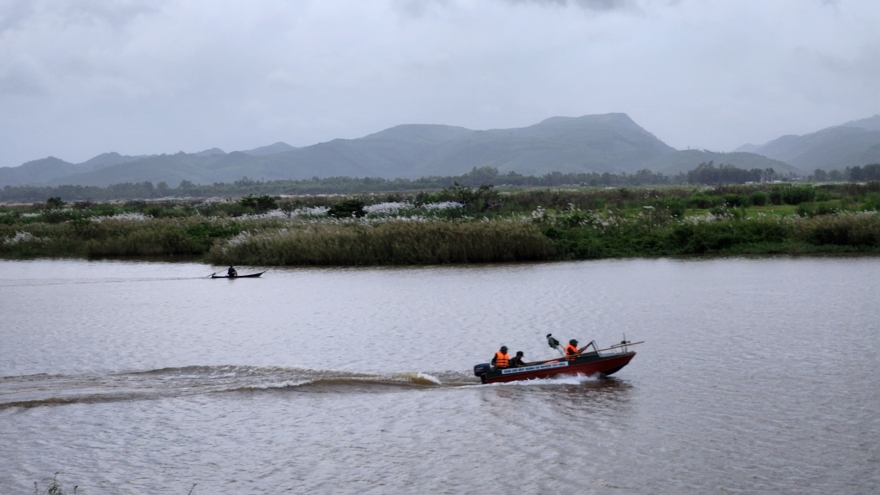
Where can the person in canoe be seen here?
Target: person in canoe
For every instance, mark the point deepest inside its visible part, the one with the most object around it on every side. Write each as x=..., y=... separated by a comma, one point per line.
x=501, y=359
x=231, y=272
x=571, y=350
x=517, y=360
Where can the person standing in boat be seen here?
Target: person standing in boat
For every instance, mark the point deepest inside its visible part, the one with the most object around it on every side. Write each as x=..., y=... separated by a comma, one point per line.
x=571, y=350
x=554, y=344
x=501, y=359
x=231, y=272
x=517, y=360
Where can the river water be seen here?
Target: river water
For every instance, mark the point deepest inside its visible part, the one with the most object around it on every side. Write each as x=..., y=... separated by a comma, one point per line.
x=756, y=376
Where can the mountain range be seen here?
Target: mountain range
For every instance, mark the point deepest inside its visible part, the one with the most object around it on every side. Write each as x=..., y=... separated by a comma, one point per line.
x=592, y=143
x=854, y=143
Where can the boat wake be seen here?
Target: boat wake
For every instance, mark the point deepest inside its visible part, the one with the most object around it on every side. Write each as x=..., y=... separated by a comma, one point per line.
x=46, y=390
x=556, y=380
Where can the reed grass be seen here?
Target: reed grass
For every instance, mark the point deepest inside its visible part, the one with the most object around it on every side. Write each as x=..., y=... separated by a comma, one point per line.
x=394, y=243
x=858, y=230
x=114, y=237
x=524, y=226
x=731, y=232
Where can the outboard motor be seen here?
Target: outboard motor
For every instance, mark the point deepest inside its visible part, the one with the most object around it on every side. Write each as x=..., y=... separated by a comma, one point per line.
x=482, y=368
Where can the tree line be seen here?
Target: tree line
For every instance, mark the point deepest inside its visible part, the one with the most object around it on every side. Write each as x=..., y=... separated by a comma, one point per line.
x=854, y=174
x=705, y=173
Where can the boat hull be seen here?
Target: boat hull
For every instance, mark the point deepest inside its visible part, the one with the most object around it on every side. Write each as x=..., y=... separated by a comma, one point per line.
x=252, y=275
x=587, y=365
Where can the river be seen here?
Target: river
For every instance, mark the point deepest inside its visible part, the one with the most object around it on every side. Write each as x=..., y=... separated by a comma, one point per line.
x=756, y=376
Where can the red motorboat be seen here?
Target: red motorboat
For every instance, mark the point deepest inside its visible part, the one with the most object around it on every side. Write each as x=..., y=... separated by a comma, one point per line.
x=602, y=362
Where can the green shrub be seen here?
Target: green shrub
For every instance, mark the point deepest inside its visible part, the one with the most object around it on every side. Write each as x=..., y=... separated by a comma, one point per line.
x=103, y=210
x=10, y=218
x=736, y=200
x=737, y=213
x=702, y=201
x=57, y=216
x=872, y=202
x=718, y=211
x=700, y=238
x=224, y=209
x=758, y=198
x=798, y=195
x=259, y=204
x=676, y=208
x=347, y=208
x=805, y=210
x=856, y=230
x=815, y=209
x=709, y=237
x=165, y=211
x=775, y=197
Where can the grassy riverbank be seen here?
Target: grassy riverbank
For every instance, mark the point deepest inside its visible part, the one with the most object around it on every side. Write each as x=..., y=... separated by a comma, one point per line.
x=458, y=225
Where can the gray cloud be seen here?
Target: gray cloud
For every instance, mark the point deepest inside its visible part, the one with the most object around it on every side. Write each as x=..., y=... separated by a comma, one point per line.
x=17, y=14
x=863, y=65
x=115, y=13
x=83, y=77
x=14, y=12
x=417, y=8
x=21, y=78
x=598, y=5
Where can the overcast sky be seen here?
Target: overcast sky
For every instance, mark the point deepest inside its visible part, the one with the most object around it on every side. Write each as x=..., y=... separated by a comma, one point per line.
x=78, y=78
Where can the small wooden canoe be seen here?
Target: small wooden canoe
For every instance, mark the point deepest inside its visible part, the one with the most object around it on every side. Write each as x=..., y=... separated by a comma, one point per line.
x=251, y=275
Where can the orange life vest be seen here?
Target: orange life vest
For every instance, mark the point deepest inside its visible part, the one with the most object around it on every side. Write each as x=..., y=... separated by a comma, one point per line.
x=571, y=351
x=501, y=360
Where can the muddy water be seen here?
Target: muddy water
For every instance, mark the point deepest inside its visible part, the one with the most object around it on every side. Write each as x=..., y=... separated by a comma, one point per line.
x=757, y=376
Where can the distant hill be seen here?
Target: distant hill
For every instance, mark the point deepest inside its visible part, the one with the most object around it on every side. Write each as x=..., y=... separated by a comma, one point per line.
x=107, y=159
x=278, y=147
x=869, y=124
x=47, y=170
x=871, y=155
x=158, y=168
x=834, y=148
x=210, y=152
x=37, y=171
x=592, y=143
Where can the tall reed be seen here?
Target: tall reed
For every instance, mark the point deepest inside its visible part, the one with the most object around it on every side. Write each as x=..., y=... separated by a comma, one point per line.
x=115, y=237
x=861, y=230
x=559, y=224
x=394, y=243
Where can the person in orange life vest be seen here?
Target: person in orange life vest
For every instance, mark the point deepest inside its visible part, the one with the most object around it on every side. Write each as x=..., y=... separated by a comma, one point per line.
x=517, y=360
x=501, y=359
x=571, y=350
